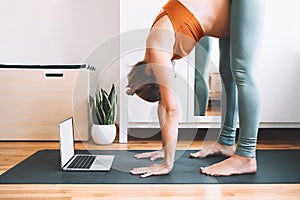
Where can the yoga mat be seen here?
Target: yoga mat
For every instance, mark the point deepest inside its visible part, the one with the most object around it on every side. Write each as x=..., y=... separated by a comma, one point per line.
x=43, y=167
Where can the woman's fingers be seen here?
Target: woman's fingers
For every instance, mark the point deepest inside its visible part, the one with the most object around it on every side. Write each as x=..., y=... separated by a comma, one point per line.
x=140, y=170
x=152, y=155
x=144, y=155
x=143, y=170
x=146, y=175
x=156, y=169
x=159, y=154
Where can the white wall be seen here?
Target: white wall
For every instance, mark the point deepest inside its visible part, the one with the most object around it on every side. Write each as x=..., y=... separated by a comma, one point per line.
x=55, y=31
x=279, y=61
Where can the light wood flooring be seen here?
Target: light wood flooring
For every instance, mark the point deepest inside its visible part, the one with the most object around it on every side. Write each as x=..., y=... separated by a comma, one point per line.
x=13, y=152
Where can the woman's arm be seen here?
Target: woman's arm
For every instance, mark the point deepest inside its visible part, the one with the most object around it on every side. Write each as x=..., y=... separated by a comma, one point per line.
x=168, y=117
x=160, y=49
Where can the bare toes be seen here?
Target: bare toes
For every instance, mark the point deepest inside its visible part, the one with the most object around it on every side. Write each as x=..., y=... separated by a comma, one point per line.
x=195, y=155
x=203, y=170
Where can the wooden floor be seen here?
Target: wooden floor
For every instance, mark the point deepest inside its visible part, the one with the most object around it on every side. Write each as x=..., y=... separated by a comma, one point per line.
x=13, y=152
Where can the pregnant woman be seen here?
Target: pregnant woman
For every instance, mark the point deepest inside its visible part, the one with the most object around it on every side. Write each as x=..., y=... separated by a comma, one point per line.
x=175, y=32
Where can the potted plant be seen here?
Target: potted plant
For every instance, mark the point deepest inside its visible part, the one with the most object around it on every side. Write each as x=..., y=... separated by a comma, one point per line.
x=103, y=112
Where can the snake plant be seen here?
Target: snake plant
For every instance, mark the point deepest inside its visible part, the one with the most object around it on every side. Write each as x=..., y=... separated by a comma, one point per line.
x=103, y=107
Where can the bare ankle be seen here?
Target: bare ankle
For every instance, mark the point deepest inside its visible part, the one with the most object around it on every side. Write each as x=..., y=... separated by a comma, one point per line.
x=225, y=145
x=249, y=158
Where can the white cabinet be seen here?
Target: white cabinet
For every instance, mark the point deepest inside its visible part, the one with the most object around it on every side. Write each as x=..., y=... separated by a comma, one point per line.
x=34, y=99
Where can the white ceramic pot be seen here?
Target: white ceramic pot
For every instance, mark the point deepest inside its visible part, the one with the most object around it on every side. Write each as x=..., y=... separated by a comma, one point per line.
x=104, y=134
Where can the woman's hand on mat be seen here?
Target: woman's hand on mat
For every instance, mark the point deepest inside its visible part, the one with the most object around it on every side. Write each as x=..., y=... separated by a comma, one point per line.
x=153, y=170
x=152, y=155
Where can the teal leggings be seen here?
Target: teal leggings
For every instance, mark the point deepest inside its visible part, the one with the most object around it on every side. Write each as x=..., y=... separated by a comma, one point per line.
x=202, y=51
x=241, y=94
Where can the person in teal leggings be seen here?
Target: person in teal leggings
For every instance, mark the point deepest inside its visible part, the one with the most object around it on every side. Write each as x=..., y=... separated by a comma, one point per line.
x=241, y=96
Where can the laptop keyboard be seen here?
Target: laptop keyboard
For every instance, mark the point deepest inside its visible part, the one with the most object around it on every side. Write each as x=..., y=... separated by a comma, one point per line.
x=82, y=162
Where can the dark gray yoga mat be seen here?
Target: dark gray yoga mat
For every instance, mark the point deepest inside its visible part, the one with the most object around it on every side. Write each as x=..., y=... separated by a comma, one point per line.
x=43, y=167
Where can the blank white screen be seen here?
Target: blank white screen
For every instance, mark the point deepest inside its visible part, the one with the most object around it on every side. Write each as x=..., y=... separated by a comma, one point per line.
x=66, y=141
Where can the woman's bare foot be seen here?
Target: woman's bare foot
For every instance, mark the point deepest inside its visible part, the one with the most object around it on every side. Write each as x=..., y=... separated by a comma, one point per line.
x=214, y=149
x=233, y=165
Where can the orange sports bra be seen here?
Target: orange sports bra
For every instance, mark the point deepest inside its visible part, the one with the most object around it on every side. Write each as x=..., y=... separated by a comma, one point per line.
x=188, y=30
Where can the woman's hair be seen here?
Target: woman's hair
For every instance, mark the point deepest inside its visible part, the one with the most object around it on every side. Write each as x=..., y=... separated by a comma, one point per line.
x=143, y=84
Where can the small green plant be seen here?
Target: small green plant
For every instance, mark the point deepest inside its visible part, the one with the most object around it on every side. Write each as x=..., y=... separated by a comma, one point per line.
x=103, y=107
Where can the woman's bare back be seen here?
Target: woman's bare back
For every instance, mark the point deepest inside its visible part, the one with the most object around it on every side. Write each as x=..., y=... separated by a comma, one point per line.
x=213, y=15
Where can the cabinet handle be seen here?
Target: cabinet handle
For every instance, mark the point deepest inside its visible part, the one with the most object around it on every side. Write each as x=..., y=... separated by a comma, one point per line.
x=54, y=75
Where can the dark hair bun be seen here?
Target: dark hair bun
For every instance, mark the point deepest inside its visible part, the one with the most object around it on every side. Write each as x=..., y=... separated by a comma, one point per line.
x=142, y=84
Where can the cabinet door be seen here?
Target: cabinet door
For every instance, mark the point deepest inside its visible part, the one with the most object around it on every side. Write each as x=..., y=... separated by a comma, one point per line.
x=140, y=17
x=279, y=66
x=32, y=103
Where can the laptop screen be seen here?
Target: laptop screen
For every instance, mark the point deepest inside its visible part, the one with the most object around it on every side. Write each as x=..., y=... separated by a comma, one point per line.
x=66, y=141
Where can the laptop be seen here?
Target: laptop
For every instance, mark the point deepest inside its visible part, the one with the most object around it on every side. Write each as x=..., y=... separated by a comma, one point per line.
x=79, y=162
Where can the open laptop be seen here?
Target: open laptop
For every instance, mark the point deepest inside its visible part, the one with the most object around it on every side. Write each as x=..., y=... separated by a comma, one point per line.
x=79, y=162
